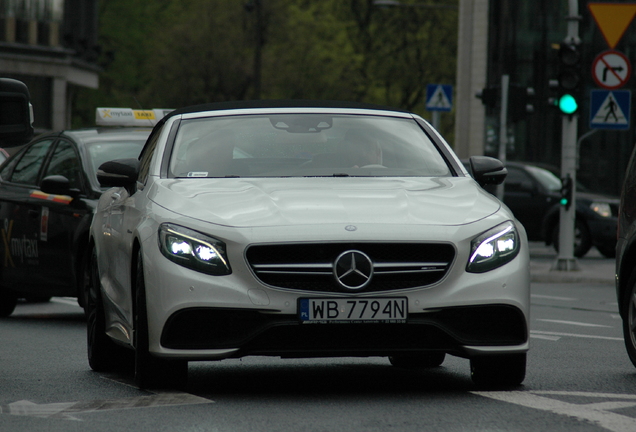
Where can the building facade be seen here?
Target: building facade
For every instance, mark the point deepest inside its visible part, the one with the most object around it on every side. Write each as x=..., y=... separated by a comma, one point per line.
x=520, y=39
x=51, y=45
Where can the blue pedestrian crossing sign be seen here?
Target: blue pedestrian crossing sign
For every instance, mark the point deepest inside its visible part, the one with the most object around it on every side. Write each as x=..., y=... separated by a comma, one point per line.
x=439, y=97
x=610, y=109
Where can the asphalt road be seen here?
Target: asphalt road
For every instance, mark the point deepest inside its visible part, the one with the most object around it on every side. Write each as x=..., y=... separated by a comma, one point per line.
x=579, y=379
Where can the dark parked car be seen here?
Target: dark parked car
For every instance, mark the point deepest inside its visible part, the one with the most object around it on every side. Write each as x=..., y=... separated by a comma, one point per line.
x=533, y=193
x=626, y=259
x=48, y=193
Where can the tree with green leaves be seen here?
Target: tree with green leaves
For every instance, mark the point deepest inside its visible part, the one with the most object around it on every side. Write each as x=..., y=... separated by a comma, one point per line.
x=171, y=53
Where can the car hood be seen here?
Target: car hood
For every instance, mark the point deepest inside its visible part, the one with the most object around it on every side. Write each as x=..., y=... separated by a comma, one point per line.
x=245, y=202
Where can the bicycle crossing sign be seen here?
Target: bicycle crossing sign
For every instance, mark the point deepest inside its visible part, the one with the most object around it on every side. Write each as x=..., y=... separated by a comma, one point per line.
x=610, y=109
x=439, y=97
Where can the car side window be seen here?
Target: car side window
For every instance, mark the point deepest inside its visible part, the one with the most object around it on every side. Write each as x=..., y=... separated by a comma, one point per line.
x=27, y=169
x=65, y=162
x=518, y=181
x=146, y=156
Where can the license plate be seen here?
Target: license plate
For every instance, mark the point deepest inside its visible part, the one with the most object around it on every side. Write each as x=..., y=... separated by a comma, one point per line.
x=391, y=310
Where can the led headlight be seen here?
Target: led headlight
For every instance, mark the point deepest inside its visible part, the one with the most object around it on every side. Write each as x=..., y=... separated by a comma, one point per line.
x=493, y=248
x=193, y=250
x=601, y=208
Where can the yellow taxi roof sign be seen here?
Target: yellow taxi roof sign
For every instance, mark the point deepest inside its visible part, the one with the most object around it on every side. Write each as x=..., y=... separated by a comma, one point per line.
x=612, y=19
x=129, y=116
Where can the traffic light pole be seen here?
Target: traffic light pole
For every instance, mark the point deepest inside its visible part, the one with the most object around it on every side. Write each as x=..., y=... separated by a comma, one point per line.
x=503, y=128
x=566, y=260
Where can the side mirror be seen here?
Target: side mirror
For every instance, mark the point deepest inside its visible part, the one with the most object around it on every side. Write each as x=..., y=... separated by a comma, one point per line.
x=118, y=173
x=487, y=170
x=56, y=185
x=16, y=113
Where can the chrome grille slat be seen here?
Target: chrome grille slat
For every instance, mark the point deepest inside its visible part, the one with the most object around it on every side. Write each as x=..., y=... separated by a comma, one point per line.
x=395, y=272
x=327, y=269
x=293, y=272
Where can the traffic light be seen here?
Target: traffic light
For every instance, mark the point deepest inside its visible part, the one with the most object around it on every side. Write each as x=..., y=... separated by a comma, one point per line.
x=569, y=78
x=566, y=192
x=489, y=96
x=520, y=102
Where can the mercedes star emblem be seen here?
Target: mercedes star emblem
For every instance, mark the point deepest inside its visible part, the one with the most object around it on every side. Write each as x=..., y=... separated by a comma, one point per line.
x=353, y=270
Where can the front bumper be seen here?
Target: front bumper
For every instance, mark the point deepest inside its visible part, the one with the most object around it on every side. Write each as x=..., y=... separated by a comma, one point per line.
x=460, y=331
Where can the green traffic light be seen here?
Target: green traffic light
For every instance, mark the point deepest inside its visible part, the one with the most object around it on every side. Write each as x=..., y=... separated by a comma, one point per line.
x=568, y=104
x=564, y=201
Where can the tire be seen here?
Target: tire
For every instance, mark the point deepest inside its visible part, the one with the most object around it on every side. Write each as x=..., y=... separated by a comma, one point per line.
x=151, y=371
x=506, y=370
x=416, y=361
x=582, y=238
x=628, y=306
x=104, y=355
x=8, y=301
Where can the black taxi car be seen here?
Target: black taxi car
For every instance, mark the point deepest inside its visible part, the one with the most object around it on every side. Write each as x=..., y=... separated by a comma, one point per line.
x=48, y=193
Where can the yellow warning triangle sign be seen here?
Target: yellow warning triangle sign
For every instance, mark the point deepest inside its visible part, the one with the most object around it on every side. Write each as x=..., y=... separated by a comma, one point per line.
x=613, y=19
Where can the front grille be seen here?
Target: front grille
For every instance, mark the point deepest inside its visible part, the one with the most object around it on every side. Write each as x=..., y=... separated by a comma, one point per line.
x=310, y=267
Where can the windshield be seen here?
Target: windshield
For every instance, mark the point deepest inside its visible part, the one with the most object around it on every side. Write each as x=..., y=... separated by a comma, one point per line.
x=301, y=145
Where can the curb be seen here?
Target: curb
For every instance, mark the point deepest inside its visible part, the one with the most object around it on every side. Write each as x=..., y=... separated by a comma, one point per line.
x=593, y=270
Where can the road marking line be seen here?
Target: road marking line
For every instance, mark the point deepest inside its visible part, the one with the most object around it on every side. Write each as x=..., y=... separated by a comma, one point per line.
x=607, y=406
x=595, y=413
x=550, y=338
x=65, y=300
x=552, y=297
x=66, y=410
x=574, y=323
x=536, y=332
x=585, y=394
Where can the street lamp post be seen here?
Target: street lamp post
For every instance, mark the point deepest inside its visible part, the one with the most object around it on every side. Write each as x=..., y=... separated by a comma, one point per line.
x=567, y=218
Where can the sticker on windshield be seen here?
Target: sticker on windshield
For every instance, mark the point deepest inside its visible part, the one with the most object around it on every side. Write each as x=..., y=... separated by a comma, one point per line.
x=198, y=174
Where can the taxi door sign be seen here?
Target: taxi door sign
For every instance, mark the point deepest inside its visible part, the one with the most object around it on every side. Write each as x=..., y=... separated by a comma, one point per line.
x=610, y=109
x=439, y=97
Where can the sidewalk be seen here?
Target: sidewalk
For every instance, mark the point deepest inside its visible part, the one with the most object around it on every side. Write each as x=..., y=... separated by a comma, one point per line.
x=594, y=267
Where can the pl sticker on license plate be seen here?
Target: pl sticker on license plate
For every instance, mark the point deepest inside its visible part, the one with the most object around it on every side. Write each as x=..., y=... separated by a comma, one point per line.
x=385, y=310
